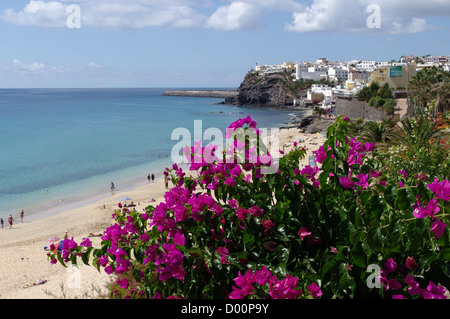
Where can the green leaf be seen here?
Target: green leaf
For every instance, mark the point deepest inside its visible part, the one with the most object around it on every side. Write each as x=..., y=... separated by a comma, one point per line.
x=85, y=256
x=365, y=196
x=374, y=239
x=390, y=195
x=405, y=198
x=359, y=258
x=282, y=254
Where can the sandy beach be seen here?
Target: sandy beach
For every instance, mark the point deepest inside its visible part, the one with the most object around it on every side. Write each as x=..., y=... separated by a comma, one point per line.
x=23, y=260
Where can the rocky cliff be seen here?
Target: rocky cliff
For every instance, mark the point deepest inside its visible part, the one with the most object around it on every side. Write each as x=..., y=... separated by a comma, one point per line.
x=273, y=90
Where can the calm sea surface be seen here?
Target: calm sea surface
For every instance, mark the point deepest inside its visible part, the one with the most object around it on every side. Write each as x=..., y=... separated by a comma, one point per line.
x=63, y=147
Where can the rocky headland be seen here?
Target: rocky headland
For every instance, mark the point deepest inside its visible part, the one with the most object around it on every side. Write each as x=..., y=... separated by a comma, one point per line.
x=273, y=90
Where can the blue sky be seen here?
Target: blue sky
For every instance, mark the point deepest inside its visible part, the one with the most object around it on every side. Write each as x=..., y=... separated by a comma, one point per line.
x=202, y=43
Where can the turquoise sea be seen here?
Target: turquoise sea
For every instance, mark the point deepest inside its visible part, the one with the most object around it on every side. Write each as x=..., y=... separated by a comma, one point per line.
x=62, y=148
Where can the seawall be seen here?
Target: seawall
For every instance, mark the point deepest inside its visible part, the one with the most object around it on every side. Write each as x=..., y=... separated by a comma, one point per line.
x=354, y=109
x=202, y=93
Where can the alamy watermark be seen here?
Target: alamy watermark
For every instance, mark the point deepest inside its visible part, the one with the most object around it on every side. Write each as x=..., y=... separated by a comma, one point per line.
x=374, y=19
x=374, y=279
x=73, y=279
x=73, y=21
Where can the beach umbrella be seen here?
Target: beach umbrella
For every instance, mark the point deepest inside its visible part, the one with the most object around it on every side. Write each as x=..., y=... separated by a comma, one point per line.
x=53, y=240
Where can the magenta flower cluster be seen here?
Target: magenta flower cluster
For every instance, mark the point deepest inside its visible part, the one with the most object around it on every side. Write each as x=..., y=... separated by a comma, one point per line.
x=286, y=288
x=163, y=237
x=441, y=191
x=432, y=291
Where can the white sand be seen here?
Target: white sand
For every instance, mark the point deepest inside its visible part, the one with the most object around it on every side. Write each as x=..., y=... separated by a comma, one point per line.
x=23, y=260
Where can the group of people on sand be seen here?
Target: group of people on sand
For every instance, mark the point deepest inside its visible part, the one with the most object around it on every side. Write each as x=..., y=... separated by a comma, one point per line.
x=11, y=219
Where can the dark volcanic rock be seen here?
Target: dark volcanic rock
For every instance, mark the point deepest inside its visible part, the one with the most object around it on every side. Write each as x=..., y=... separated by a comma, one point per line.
x=318, y=125
x=268, y=91
x=305, y=122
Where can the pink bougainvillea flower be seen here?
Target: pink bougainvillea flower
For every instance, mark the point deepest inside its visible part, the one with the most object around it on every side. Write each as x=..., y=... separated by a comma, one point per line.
x=262, y=276
x=369, y=146
x=346, y=182
x=419, y=211
x=256, y=211
x=438, y=228
x=242, y=213
x=230, y=181
x=304, y=232
x=233, y=203
x=432, y=208
x=394, y=284
x=86, y=242
x=123, y=283
x=414, y=288
x=374, y=173
x=179, y=239
x=315, y=291
x=411, y=263
x=442, y=189
x=247, y=178
x=267, y=223
x=434, y=291
x=389, y=266
x=363, y=180
x=405, y=175
x=320, y=154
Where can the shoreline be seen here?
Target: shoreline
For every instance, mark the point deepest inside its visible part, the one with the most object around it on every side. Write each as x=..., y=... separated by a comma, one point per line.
x=24, y=259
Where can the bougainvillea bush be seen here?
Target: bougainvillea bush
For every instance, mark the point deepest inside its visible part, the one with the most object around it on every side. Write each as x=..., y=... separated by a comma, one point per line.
x=344, y=228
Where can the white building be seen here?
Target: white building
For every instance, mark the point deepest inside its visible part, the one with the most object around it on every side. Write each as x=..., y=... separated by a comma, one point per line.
x=366, y=65
x=338, y=73
x=314, y=72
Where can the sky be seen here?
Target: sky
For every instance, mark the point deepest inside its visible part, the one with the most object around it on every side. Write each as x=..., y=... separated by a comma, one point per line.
x=203, y=43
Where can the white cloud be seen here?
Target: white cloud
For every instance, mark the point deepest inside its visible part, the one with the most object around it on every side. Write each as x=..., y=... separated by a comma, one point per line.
x=115, y=14
x=34, y=67
x=136, y=15
x=17, y=67
x=95, y=65
x=246, y=14
x=237, y=16
x=48, y=14
x=396, y=16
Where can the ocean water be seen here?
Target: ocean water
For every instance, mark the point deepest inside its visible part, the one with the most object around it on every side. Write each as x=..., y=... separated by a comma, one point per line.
x=61, y=148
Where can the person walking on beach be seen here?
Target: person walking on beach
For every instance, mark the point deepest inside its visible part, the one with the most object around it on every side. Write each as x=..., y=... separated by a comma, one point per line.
x=10, y=220
x=1, y=221
x=21, y=216
x=148, y=178
x=112, y=186
x=153, y=177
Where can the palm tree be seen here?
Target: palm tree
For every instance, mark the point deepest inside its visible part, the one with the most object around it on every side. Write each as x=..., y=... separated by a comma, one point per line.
x=442, y=102
x=431, y=84
x=420, y=131
x=383, y=133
